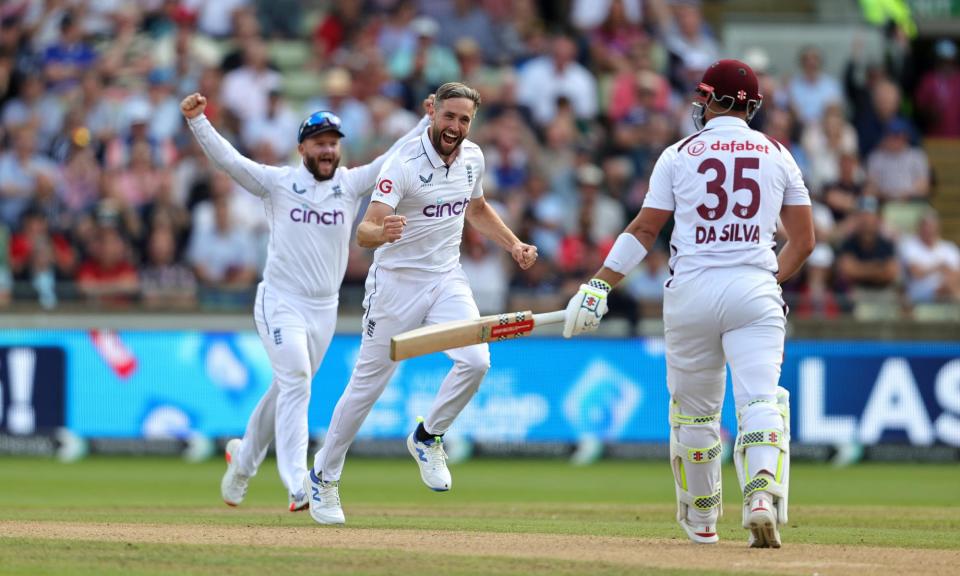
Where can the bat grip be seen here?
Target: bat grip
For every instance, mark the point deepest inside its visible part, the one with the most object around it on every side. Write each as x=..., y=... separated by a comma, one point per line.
x=549, y=318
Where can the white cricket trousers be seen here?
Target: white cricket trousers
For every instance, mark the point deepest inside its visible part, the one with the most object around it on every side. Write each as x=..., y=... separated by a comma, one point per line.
x=397, y=301
x=729, y=315
x=296, y=332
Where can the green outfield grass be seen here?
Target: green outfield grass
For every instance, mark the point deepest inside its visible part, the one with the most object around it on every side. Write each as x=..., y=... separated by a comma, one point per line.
x=905, y=507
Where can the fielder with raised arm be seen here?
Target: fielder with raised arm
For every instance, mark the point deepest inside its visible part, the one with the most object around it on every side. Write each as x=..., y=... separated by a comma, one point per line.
x=726, y=186
x=310, y=208
x=415, y=221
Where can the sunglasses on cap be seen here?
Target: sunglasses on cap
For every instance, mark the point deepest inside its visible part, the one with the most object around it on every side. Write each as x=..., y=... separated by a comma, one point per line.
x=318, y=122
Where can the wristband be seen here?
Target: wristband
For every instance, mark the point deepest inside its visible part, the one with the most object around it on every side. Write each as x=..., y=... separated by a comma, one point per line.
x=626, y=253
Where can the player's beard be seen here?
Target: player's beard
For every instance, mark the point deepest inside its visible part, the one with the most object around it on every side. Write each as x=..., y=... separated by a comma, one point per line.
x=440, y=145
x=313, y=166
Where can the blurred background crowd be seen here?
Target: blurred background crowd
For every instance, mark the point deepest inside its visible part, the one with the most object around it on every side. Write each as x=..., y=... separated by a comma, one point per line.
x=106, y=200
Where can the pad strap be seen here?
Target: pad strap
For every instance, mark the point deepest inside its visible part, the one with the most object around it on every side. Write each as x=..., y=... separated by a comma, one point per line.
x=703, y=455
x=763, y=483
x=704, y=503
x=770, y=437
x=678, y=419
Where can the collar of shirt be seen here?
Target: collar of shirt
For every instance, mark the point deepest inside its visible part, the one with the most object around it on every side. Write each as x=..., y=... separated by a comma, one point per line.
x=432, y=153
x=726, y=121
x=304, y=175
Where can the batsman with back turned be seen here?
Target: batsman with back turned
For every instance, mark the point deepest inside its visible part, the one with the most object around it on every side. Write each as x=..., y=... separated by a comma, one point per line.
x=726, y=186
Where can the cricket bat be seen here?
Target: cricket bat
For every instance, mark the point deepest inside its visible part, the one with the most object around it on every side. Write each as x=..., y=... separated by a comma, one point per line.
x=459, y=333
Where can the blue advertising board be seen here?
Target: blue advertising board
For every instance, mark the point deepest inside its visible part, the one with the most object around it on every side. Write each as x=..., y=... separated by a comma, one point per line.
x=153, y=384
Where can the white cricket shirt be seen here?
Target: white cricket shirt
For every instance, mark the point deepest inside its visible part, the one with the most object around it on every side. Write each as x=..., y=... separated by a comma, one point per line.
x=310, y=221
x=434, y=197
x=725, y=185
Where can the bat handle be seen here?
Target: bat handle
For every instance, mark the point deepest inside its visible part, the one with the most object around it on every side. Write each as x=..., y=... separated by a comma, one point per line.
x=549, y=318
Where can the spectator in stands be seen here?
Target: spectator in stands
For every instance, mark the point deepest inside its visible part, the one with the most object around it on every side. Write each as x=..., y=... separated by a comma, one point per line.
x=485, y=271
x=224, y=258
x=337, y=28
x=65, y=61
x=896, y=170
x=638, y=89
x=612, y=42
x=18, y=175
x=485, y=79
x=215, y=18
x=824, y=143
x=939, y=92
x=275, y=127
x=354, y=114
x=108, y=276
x=588, y=15
x=164, y=211
x=128, y=56
x=545, y=80
x=685, y=36
x=544, y=215
x=139, y=181
x=165, y=282
x=881, y=107
x=245, y=90
x=35, y=109
x=185, y=51
x=80, y=176
x=48, y=202
x=932, y=263
x=867, y=259
x=469, y=20
x=36, y=249
x=165, y=118
x=842, y=195
x=606, y=214
x=812, y=90
x=426, y=63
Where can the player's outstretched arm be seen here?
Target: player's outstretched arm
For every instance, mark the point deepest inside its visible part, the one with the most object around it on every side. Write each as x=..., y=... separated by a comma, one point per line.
x=798, y=224
x=247, y=173
x=379, y=226
x=485, y=219
x=589, y=304
x=362, y=178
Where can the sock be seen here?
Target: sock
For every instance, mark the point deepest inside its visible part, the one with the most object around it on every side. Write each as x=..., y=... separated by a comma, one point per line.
x=421, y=434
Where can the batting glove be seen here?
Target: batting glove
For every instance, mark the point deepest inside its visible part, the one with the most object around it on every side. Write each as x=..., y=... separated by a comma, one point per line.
x=586, y=308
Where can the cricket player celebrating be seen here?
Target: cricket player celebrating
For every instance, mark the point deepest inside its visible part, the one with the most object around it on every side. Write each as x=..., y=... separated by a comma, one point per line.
x=725, y=186
x=311, y=208
x=415, y=221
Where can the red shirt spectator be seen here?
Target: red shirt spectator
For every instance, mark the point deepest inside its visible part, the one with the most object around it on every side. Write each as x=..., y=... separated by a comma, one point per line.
x=938, y=93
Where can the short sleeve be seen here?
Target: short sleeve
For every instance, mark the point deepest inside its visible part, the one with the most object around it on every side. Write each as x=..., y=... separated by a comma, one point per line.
x=390, y=184
x=795, y=192
x=660, y=191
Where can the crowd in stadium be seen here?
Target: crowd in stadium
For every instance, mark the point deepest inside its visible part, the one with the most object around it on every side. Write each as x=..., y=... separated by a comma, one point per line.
x=105, y=196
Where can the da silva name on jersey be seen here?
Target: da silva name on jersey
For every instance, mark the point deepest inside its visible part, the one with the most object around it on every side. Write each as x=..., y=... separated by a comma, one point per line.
x=735, y=232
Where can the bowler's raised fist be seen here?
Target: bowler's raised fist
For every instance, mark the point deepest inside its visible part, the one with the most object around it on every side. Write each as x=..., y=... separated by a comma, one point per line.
x=193, y=105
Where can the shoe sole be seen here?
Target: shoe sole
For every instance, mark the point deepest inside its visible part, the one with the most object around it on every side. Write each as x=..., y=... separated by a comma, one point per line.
x=763, y=529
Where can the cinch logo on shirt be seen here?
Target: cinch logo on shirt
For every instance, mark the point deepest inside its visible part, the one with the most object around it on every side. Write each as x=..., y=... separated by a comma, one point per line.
x=439, y=210
x=734, y=146
x=309, y=216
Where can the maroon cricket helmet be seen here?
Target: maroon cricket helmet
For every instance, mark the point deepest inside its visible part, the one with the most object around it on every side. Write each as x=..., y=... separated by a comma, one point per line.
x=727, y=85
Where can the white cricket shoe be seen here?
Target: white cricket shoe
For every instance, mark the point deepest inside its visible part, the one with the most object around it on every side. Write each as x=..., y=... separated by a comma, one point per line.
x=701, y=529
x=324, y=500
x=432, y=461
x=762, y=522
x=233, y=487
